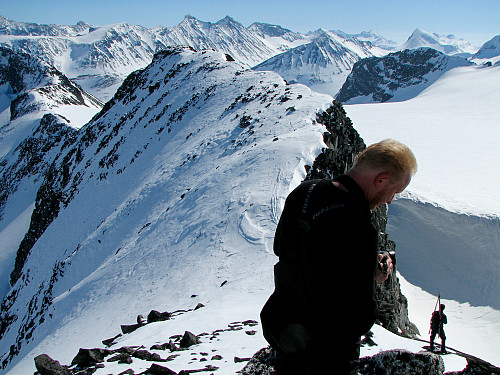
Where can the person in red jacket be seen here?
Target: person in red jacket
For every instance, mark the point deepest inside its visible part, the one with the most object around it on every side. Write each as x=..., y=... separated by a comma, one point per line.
x=324, y=297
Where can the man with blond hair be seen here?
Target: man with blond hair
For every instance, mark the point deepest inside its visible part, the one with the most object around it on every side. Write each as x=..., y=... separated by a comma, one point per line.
x=324, y=297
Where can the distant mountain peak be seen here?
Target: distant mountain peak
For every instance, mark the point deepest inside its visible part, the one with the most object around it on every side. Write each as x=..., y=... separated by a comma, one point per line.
x=227, y=19
x=269, y=29
x=449, y=45
x=490, y=49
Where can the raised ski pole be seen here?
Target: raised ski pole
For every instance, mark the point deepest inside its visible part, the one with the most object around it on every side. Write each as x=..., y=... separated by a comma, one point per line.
x=438, y=303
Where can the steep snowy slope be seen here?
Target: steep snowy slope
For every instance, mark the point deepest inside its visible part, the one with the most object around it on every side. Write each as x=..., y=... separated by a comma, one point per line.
x=186, y=170
x=41, y=109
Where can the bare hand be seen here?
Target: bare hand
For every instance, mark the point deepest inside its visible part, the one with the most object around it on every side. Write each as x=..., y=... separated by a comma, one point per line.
x=384, y=268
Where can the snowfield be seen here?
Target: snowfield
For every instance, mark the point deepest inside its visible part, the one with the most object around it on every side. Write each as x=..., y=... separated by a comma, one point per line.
x=446, y=225
x=452, y=127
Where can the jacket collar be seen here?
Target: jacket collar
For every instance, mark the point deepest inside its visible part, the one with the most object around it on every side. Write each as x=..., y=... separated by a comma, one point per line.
x=354, y=189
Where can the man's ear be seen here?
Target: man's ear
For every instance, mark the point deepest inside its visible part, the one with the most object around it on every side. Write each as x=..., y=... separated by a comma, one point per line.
x=382, y=178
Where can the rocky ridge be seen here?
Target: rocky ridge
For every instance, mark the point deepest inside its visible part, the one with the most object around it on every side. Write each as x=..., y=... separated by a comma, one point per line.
x=396, y=77
x=153, y=107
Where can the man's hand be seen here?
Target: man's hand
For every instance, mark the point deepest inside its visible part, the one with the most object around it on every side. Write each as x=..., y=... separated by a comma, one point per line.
x=384, y=268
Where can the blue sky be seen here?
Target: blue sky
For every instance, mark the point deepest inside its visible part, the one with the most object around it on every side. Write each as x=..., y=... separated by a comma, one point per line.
x=475, y=21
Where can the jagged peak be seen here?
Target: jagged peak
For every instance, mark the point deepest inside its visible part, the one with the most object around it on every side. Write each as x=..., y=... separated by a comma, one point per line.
x=188, y=18
x=269, y=29
x=228, y=20
x=320, y=31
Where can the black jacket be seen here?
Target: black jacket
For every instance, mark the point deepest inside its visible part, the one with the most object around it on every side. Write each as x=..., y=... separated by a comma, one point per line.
x=325, y=276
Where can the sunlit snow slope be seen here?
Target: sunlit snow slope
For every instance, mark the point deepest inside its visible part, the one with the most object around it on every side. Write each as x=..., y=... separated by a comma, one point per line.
x=447, y=225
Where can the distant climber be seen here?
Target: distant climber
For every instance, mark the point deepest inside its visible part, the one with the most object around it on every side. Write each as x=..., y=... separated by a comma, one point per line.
x=438, y=319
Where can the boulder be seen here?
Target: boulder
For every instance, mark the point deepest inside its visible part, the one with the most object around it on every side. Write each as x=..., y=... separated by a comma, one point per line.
x=402, y=362
x=129, y=328
x=48, y=366
x=89, y=357
x=262, y=363
x=111, y=341
x=156, y=316
x=158, y=370
x=189, y=339
x=121, y=358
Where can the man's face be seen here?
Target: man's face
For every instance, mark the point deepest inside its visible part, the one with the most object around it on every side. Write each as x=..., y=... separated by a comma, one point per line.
x=387, y=192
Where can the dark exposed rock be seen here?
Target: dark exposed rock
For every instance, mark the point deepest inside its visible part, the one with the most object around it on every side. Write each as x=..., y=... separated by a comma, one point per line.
x=402, y=362
x=156, y=316
x=129, y=328
x=141, y=320
x=147, y=356
x=199, y=306
x=111, y=341
x=89, y=357
x=121, y=358
x=262, y=363
x=48, y=366
x=207, y=368
x=168, y=345
x=189, y=339
x=392, y=362
x=238, y=359
x=158, y=370
x=47, y=206
x=343, y=142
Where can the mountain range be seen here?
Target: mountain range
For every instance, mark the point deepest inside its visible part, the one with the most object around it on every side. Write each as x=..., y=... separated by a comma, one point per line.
x=164, y=193
x=98, y=58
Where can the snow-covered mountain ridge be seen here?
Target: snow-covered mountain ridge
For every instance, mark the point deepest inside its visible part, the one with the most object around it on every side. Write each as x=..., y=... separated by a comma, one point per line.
x=322, y=64
x=100, y=57
x=167, y=165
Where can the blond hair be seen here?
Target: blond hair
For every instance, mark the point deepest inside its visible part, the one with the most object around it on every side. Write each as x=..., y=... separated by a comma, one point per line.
x=389, y=156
